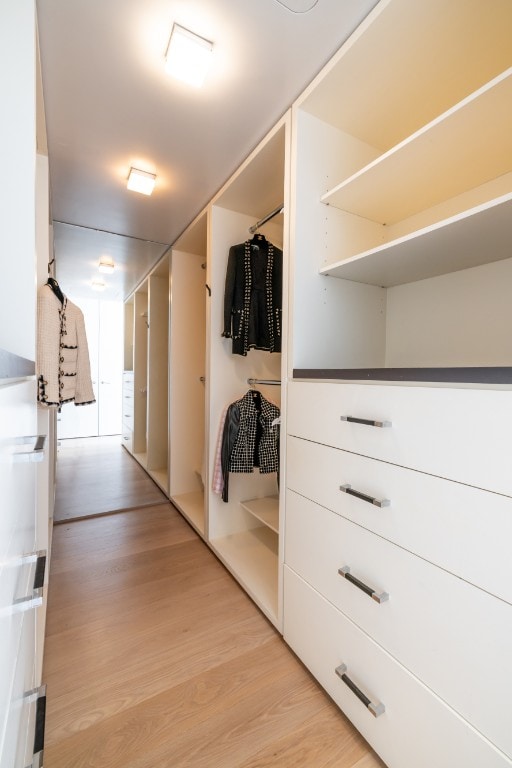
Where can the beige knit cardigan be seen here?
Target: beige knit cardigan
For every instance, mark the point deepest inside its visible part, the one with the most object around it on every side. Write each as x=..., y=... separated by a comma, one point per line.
x=62, y=365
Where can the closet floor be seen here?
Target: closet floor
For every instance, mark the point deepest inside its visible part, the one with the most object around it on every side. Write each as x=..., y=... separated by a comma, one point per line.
x=156, y=658
x=95, y=475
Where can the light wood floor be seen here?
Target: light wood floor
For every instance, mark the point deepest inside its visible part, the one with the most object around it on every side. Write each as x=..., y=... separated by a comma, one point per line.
x=96, y=475
x=155, y=658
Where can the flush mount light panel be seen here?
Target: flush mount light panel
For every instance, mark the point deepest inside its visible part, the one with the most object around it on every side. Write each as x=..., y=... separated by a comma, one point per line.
x=141, y=181
x=98, y=285
x=188, y=56
x=106, y=264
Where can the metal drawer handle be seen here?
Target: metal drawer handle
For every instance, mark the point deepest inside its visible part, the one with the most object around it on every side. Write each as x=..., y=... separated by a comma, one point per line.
x=368, y=422
x=364, y=497
x=36, y=453
x=36, y=596
x=39, y=726
x=379, y=597
x=375, y=709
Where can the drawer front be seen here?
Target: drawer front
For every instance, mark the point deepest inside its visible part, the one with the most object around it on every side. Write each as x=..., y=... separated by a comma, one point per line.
x=454, y=637
x=417, y=728
x=426, y=515
x=460, y=434
x=127, y=438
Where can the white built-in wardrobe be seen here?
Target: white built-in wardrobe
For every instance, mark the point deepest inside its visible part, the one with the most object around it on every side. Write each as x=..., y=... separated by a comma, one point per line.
x=383, y=556
x=180, y=375
x=27, y=433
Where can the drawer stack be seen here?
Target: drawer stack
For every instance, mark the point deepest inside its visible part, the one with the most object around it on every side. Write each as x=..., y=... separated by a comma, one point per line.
x=397, y=586
x=128, y=410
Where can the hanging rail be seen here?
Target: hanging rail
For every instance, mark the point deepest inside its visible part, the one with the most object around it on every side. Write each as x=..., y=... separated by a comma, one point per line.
x=269, y=382
x=264, y=220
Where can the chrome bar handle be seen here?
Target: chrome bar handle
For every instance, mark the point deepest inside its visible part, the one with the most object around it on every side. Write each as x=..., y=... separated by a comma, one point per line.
x=379, y=597
x=39, y=694
x=35, y=598
x=375, y=709
x=36, y=453
x=364, y=496
x=368, y=422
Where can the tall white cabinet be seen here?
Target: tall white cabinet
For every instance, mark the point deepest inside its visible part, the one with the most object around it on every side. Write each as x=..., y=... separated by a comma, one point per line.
x=26, y=458
x=398, y=493
x=194, y=376
x=246, y=532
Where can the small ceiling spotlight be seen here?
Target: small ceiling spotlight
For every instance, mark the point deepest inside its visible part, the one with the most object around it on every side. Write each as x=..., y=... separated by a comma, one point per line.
x=106, y=264
x=188, y=56
x=141, y=181
x=98, y=285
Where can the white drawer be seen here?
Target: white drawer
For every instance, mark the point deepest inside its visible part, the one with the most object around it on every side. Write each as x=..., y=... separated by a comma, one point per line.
x=465, y=530
x=127, y=440
x=454, y=637
x=417, y=729
x=461, y=434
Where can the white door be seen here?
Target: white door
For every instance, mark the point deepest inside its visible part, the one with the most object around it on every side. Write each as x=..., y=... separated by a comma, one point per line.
x=104, y=328
x=110, y=368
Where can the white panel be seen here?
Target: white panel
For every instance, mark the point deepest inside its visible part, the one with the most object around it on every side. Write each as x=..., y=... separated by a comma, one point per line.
x=110, y=367
x=332, y=321
x=434, y=623
x=421, y=506
x=18, y=164
x=417, y=728
x=18, y=420
x=460, y=319
x=188, y=365
x=445, y=432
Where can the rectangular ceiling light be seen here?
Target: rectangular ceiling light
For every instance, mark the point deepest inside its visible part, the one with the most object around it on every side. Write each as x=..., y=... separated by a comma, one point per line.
x=141, y=181
x=188, y=56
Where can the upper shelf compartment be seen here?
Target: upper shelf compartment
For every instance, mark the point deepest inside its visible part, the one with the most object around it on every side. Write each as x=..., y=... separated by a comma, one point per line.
x=408, y=63
x=465, y=147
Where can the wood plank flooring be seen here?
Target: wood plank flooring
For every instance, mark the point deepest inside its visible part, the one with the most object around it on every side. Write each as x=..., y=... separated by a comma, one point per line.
x=95, y=475
x=155, y=658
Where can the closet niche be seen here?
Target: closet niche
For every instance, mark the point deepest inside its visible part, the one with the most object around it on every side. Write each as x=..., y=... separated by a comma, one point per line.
x=244, y=531
x=146, y=378
x=403, y=183
x=187, y=391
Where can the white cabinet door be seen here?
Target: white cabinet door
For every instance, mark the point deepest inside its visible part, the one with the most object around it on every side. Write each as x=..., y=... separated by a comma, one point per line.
x=18, y=449
x=110, y=368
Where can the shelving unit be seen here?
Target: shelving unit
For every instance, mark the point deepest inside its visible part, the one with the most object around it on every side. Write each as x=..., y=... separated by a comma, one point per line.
x=250, y=548
x=266, y=510
x=401, y=269
x=403, y=193
x=188, y=385
x=140, y=370
x=158, y=375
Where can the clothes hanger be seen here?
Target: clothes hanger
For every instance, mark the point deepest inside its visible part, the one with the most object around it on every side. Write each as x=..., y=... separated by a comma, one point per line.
x=53, y=284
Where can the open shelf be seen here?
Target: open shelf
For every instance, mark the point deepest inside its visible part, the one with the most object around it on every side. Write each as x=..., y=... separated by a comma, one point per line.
x=266, y=510
x=142, y=458
x=457, y=151
x=479, y=236
x=160, y=476
x=252, y=558
x=191, y=505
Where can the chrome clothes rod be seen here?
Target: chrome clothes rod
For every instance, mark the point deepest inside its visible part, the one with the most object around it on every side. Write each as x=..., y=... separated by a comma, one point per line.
x=270, y=382
x=264, y=220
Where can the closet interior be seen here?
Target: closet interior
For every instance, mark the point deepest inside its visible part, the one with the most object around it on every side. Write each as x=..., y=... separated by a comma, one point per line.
x=146, y=376
x=403, y=206
x=181, y=373
x=246, y=531
x=187, y=351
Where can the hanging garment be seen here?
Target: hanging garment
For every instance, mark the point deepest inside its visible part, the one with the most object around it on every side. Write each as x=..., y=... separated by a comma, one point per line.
x=248, y=439
x=253, y=300
x=63, y=368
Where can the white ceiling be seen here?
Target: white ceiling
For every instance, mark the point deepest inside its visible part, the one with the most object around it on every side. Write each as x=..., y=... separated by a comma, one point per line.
x=109, y=105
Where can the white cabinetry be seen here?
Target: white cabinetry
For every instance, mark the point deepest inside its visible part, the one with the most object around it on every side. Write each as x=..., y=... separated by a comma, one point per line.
x=246, y=531
x=399, y=500
x=187, y=365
